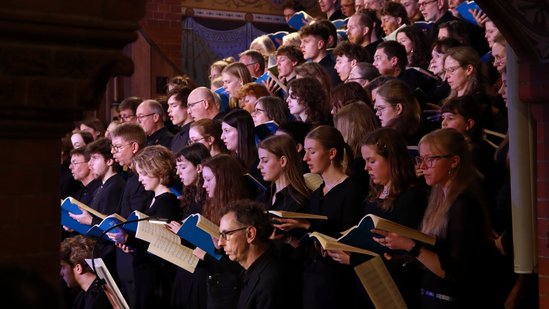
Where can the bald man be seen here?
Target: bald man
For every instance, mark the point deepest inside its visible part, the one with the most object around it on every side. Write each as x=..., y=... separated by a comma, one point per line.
x=202, y=104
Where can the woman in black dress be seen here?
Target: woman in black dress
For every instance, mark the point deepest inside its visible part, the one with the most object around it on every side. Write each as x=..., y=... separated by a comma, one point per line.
x=328, y=284
x=394, y=195
x=460, y=266
x=190, y=289
x=153, y=275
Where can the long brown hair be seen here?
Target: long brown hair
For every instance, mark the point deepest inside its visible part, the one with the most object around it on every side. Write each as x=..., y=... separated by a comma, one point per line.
x=354, y=121
x=397, y=92
x=229, y=185
x=466, y=55
x=329, y=137
x=389, y=144
x=284, y=146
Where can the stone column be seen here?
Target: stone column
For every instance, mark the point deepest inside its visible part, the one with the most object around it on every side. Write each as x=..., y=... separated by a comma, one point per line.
x=55, y=59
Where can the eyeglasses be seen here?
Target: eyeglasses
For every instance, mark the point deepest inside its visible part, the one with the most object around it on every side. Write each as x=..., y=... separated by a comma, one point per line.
x=189, y=105
x=77, y=163
x=293, y=96
x=379, y=109
x=429, y=161
x=350, y=79
x=126, y=117
x=498, y=60
x=452, y=69
x=140, y=117
x=194, y=141
x=252, y=63
x=227, y=234
x=425, y=3
x=258, y=110
x=117, y=148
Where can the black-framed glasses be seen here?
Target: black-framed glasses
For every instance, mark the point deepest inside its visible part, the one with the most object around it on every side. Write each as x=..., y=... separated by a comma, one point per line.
x=189, y=105
x=227, y=234
x=429, y=161
x=379, y=109
x=194, y=141
x=425, y=3
x=258, y=110
x=452, y=69
x=117, y=148
x=350, y=79
x=140, y=117
x=126, y=117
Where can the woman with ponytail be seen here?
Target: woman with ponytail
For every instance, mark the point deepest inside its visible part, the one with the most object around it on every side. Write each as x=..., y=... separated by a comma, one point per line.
x=328, y=284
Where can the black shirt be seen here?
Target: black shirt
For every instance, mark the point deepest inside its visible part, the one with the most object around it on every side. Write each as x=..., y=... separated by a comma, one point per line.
x=161, y=137
x=328, y=63
x=287, y=199
x=93, y=298
x=337, y=14
x=134, y=197
x=86, y=193
x=108, y=195
x=262, y=285
x=180, y=139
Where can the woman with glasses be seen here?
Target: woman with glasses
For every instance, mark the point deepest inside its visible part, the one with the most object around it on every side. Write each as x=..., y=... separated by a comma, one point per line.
x=459, y=270
x=268, y=114
x=207, y=132
x=396, y=107
x=465, y=74
x=270, y=109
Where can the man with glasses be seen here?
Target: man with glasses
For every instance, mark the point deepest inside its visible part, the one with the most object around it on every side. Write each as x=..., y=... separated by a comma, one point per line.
x=128, y=108
x=347, y=7
x=201, y=104
x=254, y=62
x=127, y=140
x=81, y=172
x=150, y=116
x=244, y=232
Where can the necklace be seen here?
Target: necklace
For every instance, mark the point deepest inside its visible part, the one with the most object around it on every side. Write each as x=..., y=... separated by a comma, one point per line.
x=330, y=187
x=384, y=193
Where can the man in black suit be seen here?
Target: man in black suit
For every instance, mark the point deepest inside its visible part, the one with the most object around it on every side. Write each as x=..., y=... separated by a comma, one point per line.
x=244, y=232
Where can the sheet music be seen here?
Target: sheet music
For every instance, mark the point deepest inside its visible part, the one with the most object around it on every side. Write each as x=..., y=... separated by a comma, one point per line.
x=174, y=253
x=151, y=232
